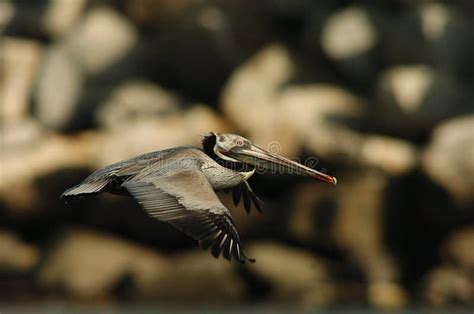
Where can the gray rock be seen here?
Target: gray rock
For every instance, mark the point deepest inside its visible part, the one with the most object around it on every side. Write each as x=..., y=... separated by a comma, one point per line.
x=102, y=38
x=458, y=248
x=213, y=39
x=15, y=255
x=309, y=214
x=358, y=230
x=350, y=38
x=19, y=59
x=18, y=136
x=447, y=285
x=249, y=97
x=358, y=226
x=393, y=155
x=354, y=224
x=294, y=274
x=61, y=15
x=317, y=117
x=387, y=295
x=136, y=101
x=317, y=114
x=89, y=264
x=448, y=31
x=59, y=88
x=7, y=11
x=412, y=99
x=196, y=278
x=448, y=159
x=348, y=33
x=47, y=154
x=97, y=149
x=174, y=129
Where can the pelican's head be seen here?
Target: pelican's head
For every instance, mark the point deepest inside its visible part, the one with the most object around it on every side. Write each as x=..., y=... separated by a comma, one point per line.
x=235, y=148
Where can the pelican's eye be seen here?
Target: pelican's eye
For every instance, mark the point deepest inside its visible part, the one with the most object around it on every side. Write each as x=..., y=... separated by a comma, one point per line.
x=239, y=143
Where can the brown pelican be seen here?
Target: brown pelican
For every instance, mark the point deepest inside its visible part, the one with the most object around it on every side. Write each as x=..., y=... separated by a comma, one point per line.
x=177, y=186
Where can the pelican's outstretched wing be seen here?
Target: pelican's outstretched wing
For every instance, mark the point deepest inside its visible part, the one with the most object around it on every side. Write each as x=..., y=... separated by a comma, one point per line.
x=186, y=200
x=110, y=178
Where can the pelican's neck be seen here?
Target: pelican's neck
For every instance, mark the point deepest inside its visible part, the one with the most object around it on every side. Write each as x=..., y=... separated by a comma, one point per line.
x=208, y=144
x=247, y=174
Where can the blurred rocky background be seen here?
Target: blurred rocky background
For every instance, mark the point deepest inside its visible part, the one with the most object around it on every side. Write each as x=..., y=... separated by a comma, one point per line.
x=382, y=92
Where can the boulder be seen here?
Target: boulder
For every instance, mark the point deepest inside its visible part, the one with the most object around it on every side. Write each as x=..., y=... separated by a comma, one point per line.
x=349, y=37
x=151, y=134
x=89, y=264
x=312, y=212
x=136, y=100
x=249, y=99
x=412, y=99
x=101, y=39
x=448, y=159
x=448, y=286
x=16, y=255
x=19, y=135
x=7, y=11
x=59, y=87
x=208, y=47
x=358, y=226
x=195, y=278
x=294, y=275
x=387, y=295
x=459, y=248
x=49, y=154
x=391, y=154
x=20, y=59
x=320, y=118
x=41, y=154
x=348, y=33
x=317, y=114
x=448, y=30
x=358, y=230
x=61, y=15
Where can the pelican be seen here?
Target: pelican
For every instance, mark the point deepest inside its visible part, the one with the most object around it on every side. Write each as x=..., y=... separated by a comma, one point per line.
x=178, y=186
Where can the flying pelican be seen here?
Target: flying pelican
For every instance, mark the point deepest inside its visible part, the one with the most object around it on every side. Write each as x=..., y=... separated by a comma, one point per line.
x=177, y=186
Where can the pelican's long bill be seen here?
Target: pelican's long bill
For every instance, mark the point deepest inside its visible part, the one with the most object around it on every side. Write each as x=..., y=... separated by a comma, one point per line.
x=263, y=159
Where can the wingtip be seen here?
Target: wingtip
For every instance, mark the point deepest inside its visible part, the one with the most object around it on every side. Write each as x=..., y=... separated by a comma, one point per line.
x=247, y=259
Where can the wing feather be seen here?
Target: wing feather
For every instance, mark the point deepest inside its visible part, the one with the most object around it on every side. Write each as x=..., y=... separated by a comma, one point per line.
x=245, y=192
x=186, y=200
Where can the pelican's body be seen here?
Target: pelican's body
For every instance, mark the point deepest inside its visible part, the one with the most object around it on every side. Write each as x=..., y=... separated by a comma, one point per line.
x=178, y=185
x=110, y=178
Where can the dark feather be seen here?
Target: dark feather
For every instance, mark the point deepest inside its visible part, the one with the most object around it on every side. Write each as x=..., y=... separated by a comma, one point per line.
x=236, y=194
x=227, y=248
x=245, y=192
x=255, y=199
x=216, y=246
x=246, y=198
